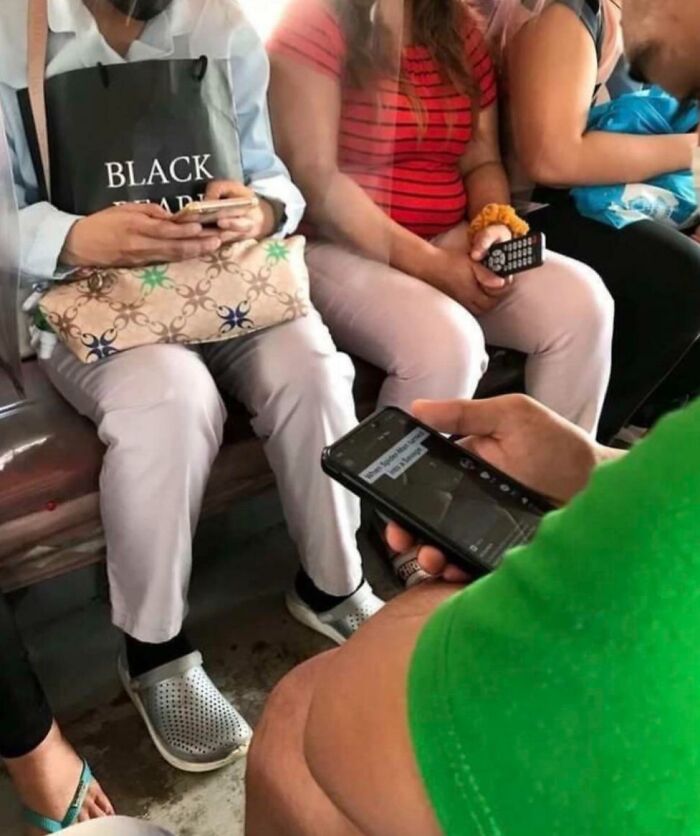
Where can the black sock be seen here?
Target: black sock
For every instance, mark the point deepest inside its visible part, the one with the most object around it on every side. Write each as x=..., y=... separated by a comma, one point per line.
x=142, y=657
x=314, y=597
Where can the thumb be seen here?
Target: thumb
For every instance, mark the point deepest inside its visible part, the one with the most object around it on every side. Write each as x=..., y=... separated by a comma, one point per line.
x=483, y=242
x=484, y=447
x=463, y=418
x=488, y=279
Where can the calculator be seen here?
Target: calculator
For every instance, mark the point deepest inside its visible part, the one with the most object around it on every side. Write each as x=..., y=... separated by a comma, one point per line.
x=517, y=255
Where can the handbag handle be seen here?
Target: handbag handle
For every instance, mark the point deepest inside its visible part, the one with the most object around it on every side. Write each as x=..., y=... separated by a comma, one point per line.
x=37, y=52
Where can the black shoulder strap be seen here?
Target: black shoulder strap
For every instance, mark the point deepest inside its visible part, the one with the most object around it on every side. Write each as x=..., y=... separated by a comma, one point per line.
x=597, y=24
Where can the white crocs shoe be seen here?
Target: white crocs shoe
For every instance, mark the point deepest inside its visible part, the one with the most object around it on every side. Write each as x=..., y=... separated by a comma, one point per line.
x=342, y=621
x=193, y=726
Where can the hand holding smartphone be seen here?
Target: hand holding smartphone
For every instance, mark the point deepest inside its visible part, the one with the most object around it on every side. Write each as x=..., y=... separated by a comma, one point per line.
x=439, y=492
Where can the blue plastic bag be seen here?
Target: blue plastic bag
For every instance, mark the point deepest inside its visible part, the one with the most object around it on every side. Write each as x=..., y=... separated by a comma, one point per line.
x=670, y=198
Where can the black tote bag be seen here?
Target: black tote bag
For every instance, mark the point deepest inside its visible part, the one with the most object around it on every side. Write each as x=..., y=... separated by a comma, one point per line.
x=153, y=131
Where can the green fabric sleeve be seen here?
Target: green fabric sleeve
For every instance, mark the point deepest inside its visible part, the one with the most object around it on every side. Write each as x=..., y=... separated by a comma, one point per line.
x=561, y=694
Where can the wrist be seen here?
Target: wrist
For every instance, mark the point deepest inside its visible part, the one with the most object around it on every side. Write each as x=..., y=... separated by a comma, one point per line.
x=70, y=255
x=590, y=457
x=275, y=215
x=426, y=262
x=499, y=214
x=605, y=454
x=692, y=149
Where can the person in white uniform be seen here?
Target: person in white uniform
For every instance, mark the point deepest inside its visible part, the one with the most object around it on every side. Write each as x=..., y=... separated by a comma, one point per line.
x=158, y=409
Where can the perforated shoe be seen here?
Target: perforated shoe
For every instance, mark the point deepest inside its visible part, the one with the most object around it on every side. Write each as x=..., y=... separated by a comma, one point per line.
x=342, y=621
x=193, y=726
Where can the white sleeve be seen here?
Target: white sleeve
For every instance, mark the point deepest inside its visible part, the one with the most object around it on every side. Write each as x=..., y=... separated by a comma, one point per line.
x=43, y=228
x=263, y=170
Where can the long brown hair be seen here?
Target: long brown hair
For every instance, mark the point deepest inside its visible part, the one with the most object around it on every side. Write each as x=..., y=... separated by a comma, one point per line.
x=438, y=25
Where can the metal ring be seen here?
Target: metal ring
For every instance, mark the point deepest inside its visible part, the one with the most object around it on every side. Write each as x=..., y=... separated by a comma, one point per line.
x=96, y=282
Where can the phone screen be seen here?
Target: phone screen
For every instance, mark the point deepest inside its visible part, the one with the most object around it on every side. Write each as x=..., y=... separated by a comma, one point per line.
x=439, y=486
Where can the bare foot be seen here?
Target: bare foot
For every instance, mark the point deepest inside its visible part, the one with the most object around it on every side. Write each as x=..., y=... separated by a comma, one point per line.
x=47, y=778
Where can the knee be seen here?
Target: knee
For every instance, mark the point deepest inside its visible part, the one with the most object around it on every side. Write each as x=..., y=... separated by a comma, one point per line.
x=583, y=304
x=173, y=396
x=278, y=740
x=306, y=370
x=187, y=391
x=450, y=348
x=323, y=377
x=266, y=740
x=680, y=284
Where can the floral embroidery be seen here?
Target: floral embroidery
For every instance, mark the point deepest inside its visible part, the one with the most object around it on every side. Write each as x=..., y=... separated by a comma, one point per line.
x=100, y=347
x=154, y=277
x=234, y=317
x=277, y=251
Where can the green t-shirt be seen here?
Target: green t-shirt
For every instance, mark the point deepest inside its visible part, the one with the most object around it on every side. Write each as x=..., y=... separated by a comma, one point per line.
x=560, y=696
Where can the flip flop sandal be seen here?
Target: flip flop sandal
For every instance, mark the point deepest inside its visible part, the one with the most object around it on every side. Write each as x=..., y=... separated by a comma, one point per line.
x=51, y=825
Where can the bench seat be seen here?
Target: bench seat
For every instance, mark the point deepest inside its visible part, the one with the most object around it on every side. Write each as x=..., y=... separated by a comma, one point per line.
x=50, y=460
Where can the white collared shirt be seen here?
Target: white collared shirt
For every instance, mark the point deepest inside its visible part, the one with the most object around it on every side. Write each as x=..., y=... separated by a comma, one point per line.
x=187, y=29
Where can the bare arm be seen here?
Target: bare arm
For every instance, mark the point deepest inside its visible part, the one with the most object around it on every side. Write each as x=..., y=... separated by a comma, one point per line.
x=552, y=68
x=485, y=178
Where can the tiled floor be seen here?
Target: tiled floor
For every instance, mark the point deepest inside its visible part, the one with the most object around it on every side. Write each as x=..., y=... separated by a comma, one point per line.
x=238, y=620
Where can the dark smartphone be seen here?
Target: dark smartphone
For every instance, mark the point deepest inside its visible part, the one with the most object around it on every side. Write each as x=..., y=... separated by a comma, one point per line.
x=444, y=495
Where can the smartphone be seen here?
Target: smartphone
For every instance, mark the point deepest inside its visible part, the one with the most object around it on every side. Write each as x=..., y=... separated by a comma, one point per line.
x=208, y=212
x=444, y=495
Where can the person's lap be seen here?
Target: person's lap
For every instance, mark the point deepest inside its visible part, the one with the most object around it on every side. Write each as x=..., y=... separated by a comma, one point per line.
x=653, y=274
x=559, y=312
x=391, y=319
x=150, y=372
x=159, y=411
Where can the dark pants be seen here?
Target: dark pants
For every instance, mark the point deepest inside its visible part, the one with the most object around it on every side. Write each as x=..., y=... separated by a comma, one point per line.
x=25, y=715
x=679, y=388
x=653, y=274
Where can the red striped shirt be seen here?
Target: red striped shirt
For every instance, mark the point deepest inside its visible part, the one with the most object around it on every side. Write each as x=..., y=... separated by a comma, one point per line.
x=409, y=169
